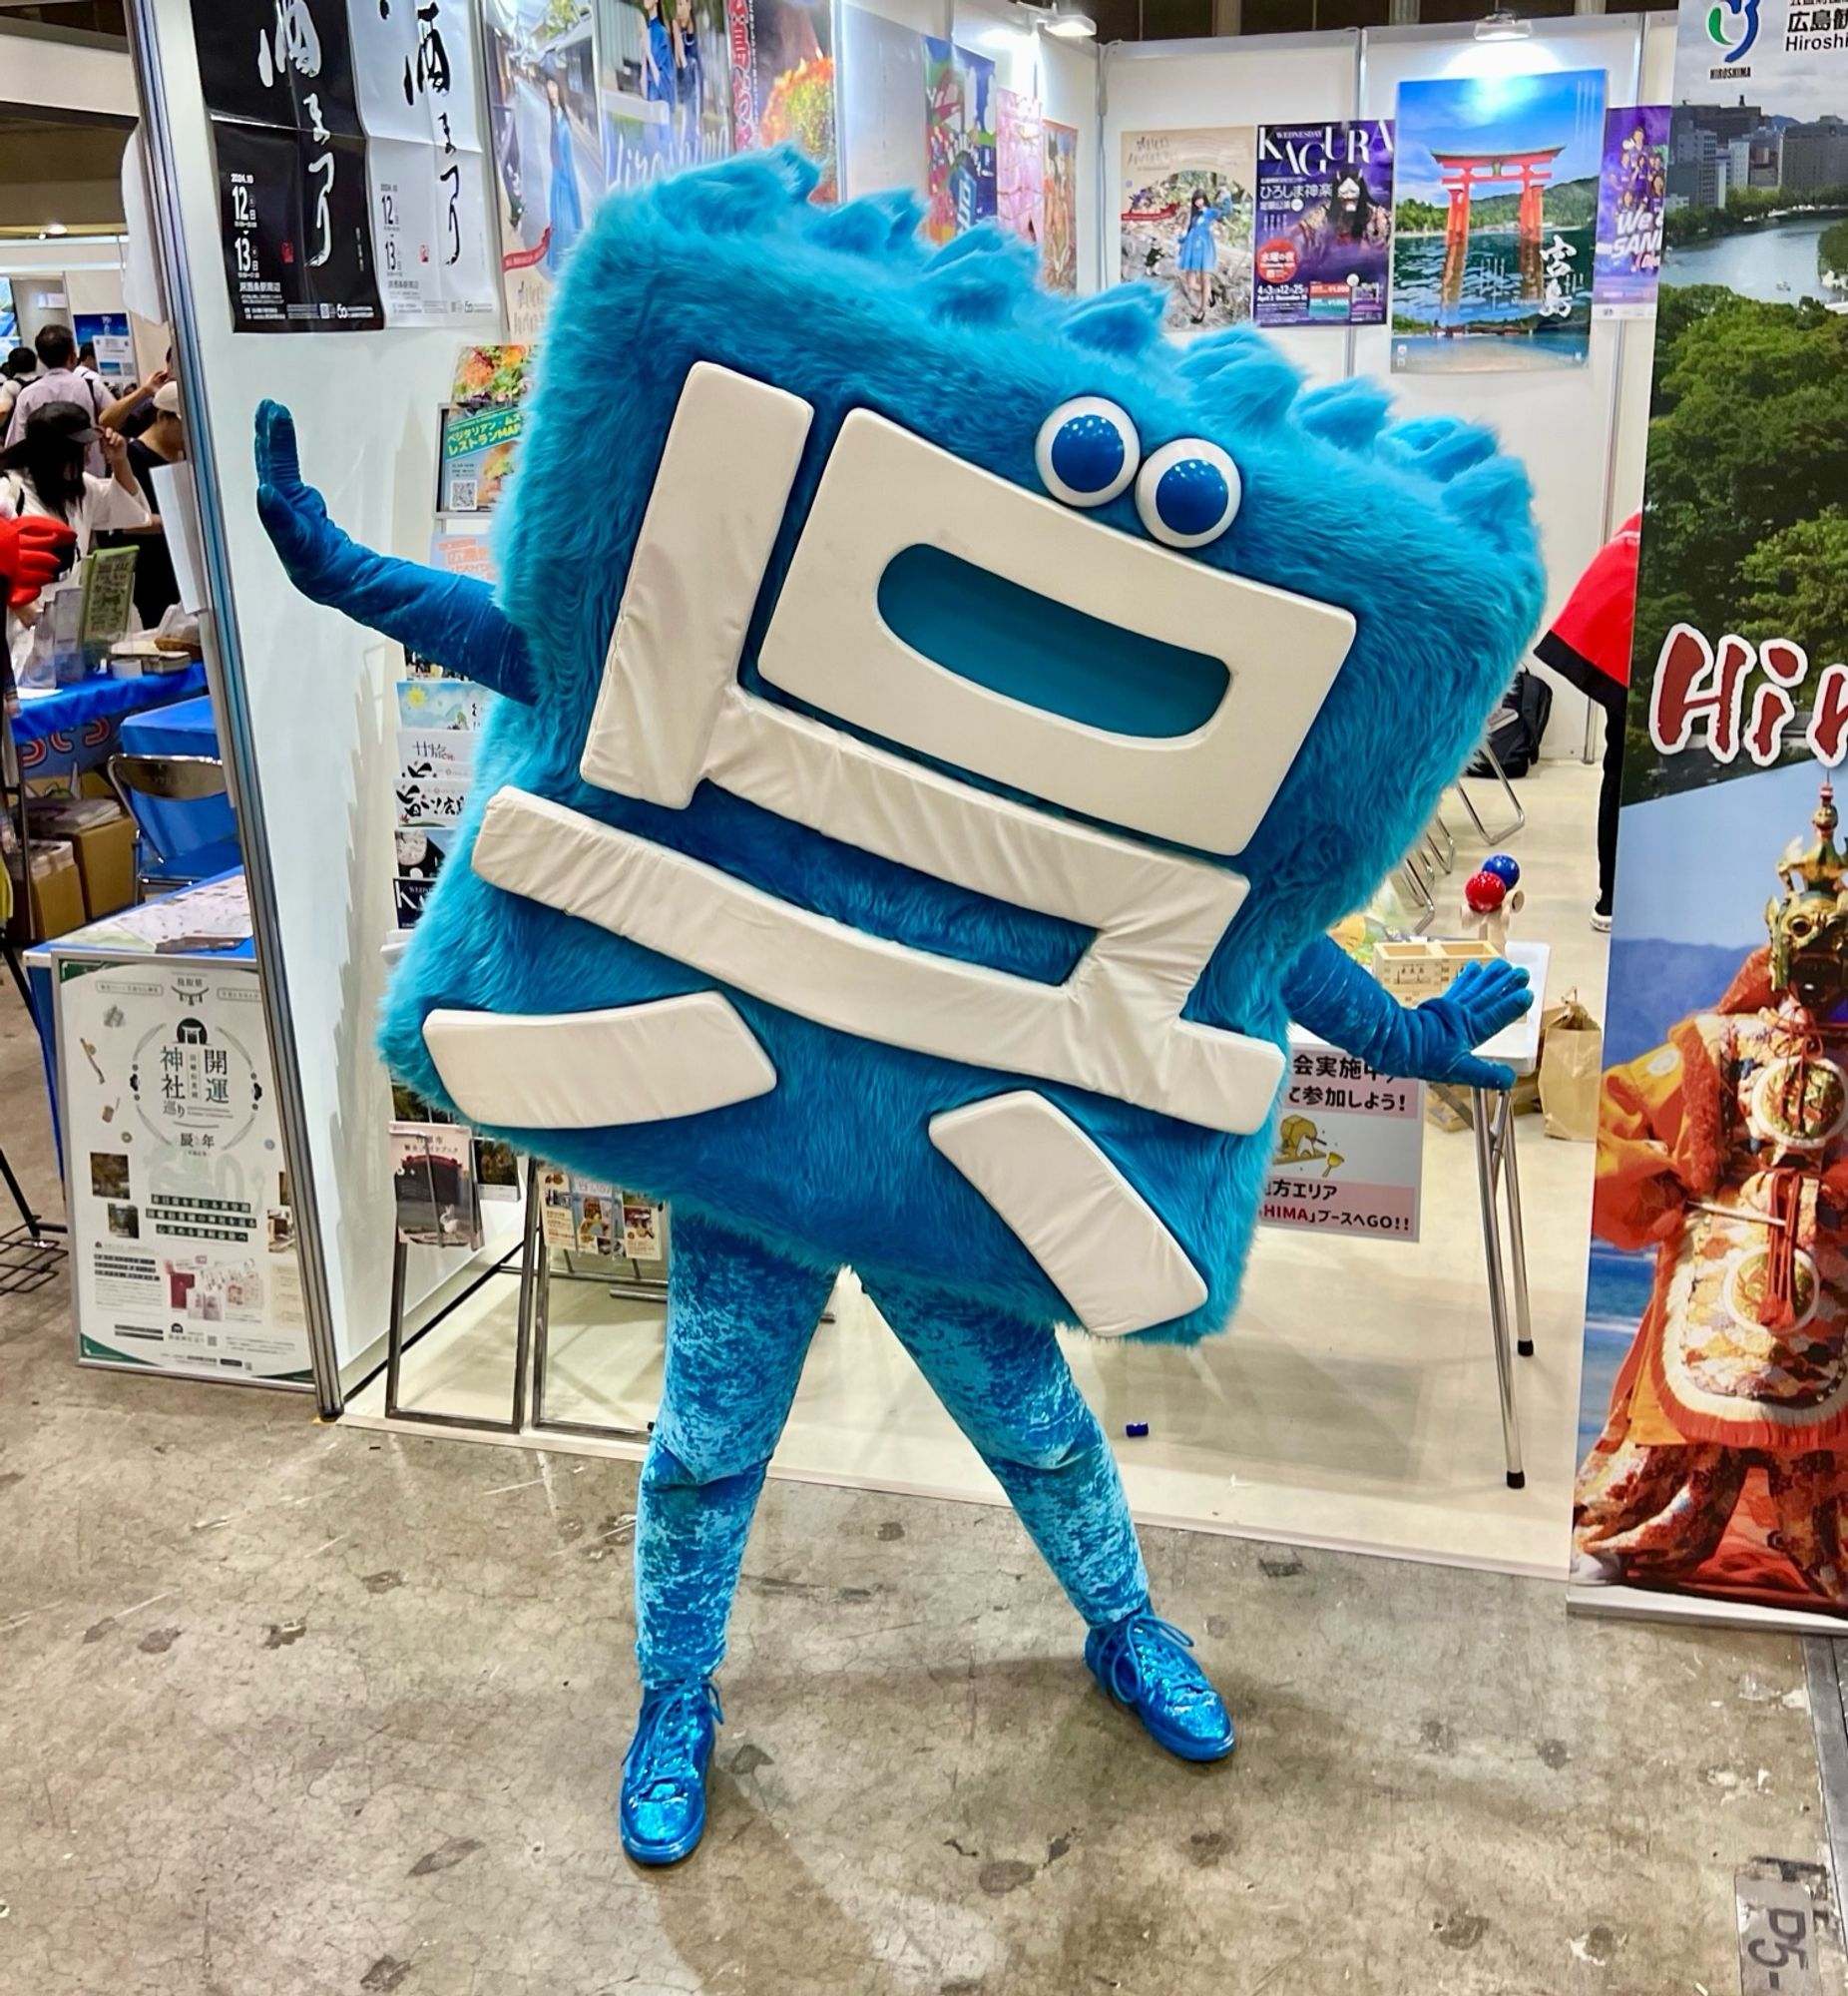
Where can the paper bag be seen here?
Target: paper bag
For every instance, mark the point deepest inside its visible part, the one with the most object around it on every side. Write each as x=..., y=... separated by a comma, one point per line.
x=1571, y=1047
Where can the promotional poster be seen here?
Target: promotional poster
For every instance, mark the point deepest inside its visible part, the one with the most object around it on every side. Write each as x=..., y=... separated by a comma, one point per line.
x=959, y=140
x=545, y=147
x=1019, y=165
x=293, y=202
x=1495, y=186
x=1350, y=1148
x=1633, y=195
x=664, y=80
x=182, y=1238
x=1059, y=210
x=782, y=81
x=1714, y=1405
x=414, y=68
x=439, y=719
x=1185, y=222
x=1324, y=224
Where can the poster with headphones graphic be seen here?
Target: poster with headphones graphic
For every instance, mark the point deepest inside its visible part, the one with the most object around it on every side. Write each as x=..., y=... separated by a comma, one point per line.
x=183, y=1236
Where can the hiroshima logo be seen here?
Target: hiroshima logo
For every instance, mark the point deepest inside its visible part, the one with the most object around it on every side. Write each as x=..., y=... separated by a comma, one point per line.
x=1733, y=17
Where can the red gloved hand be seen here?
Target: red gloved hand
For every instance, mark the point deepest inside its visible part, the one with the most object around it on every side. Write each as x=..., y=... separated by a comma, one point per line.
x=33, y=551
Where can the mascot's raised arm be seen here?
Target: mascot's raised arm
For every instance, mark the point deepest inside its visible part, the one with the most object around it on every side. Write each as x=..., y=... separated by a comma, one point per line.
x=931, y=763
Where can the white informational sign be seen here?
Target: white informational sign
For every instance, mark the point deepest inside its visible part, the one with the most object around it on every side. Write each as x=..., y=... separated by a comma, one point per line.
x=1350, y=1148
x=414, y=72
x=183, y=1234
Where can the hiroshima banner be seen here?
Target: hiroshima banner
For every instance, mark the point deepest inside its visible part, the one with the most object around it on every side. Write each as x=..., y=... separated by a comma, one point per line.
x=1713, y=1423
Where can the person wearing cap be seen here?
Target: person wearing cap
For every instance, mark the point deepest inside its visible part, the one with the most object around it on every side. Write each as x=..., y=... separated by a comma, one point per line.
x=43, y=476
x=161, y=442
x=61, y=382
x=134, y=413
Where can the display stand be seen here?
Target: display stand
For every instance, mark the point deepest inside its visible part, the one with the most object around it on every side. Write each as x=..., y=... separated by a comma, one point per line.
x=532, y=1326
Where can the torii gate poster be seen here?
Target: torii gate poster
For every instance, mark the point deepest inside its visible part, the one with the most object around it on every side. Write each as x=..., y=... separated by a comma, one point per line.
x=1495, y=221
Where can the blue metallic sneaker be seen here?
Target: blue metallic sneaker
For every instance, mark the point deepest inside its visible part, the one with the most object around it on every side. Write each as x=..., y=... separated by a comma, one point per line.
x=1143, y=1661
x=663, y=1811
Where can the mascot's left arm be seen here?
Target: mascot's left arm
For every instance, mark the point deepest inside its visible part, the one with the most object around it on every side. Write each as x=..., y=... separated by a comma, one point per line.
x=1327, y=991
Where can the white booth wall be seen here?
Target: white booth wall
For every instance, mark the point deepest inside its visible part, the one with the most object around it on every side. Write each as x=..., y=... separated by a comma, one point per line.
x=1582, y=432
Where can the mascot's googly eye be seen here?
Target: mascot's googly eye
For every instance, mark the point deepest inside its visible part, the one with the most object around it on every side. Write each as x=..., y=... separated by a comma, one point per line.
x=1188, y=493
x=1086, y=451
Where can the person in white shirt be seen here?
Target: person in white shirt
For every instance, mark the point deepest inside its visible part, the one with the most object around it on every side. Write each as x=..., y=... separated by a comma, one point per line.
x=15, y=371
x=61, y=382
x=43, y=474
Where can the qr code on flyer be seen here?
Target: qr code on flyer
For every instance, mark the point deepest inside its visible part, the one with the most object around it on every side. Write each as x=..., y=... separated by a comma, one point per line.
x=464, y=494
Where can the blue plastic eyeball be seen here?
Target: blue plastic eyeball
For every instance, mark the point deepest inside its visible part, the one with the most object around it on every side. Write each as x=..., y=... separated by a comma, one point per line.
x=1502, y=866
x=1086, y=451
x=1188, y=492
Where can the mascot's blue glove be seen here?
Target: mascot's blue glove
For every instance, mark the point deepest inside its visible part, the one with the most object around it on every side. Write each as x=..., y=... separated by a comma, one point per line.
x=1327, y=991
x=449, y=618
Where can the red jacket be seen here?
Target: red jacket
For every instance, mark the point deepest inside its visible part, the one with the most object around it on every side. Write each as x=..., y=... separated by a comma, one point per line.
x=1590, y=636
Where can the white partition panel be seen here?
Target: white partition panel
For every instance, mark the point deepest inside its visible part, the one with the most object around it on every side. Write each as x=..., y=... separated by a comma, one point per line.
x=1267, y=79
x=318, y=693
x=1560, y=422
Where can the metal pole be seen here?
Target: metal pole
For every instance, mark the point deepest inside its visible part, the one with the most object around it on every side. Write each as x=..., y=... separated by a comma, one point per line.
x=1484, y=1119
x=231, y=698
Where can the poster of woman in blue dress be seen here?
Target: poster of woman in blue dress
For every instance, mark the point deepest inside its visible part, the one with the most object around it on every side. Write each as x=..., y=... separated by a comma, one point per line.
x=565, y=213
x=1185, y=222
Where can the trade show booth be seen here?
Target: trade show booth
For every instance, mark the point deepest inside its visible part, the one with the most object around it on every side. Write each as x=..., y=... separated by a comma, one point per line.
x=1407, y=1382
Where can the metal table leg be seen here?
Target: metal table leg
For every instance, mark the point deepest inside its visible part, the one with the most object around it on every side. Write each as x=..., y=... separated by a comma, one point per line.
x=1486, y=1175
x=1517, y=1231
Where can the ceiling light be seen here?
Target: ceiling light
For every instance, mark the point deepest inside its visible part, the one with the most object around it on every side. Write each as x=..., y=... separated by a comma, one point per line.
x=1069, y=21
x=56, y=229
x=1504, y=25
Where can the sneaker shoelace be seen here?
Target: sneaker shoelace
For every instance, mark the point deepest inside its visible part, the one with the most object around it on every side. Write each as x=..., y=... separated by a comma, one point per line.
x=673, y=1725
x=1144, y=1653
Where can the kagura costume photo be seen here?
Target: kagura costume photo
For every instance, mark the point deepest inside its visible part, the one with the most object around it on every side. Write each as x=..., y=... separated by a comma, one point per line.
x=1719, y=1468
x=928, y=771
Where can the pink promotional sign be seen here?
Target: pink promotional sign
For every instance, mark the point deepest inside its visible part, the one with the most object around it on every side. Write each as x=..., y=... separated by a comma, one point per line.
x=1350, y=1148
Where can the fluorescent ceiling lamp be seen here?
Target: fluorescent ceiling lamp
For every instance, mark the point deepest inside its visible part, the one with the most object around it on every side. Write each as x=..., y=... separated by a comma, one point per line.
x=1069, y=21
x=1504, y=25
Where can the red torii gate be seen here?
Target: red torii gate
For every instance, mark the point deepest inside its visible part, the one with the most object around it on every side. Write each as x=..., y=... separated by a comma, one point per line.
x=1461, y=174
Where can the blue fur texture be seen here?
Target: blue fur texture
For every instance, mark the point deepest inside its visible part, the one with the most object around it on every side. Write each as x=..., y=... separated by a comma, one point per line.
x=1420, y=529
x=741, y=1319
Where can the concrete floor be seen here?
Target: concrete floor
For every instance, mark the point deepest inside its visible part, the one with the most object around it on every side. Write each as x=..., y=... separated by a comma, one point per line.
x=287, y=1710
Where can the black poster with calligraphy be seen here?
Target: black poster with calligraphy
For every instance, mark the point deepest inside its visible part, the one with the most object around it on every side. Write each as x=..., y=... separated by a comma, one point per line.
x=293, y=205
x=260, y=61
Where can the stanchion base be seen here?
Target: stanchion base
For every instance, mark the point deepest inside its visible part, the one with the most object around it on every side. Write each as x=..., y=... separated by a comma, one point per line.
x=1525, y=1346
x=1516, y=1479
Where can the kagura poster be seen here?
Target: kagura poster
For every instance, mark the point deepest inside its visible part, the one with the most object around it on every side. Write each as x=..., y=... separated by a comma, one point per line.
x=1495, y=218
x=1715, y=1413
x=782, y=81
x=1185, y=217
x=1633, y=195
x=182, y=1235
x=1324, y=224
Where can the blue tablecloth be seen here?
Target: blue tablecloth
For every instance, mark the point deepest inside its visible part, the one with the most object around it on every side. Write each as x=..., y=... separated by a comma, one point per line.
x=74, y=728
x=179, y=830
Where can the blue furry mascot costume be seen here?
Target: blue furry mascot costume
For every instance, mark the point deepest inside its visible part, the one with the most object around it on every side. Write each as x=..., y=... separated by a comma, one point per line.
x=942, y=722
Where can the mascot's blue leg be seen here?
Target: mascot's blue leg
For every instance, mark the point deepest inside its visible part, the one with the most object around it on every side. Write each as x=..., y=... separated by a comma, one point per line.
x=740, y=1321
x=1012, y=1393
